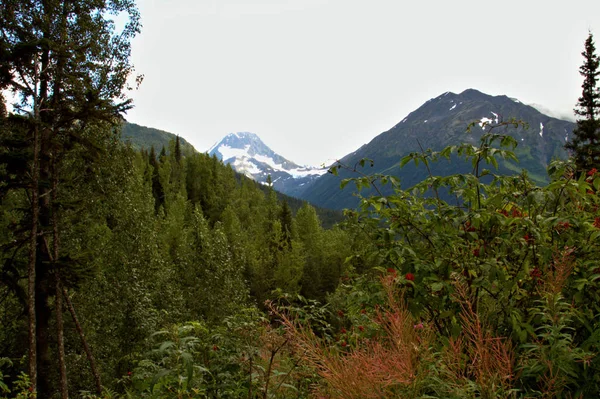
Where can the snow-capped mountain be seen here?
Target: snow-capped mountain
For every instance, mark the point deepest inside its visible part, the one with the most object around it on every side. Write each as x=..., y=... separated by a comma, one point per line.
x=247, y=154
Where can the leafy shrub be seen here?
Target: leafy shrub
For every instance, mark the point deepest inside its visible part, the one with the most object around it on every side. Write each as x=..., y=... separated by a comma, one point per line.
x=500, y=275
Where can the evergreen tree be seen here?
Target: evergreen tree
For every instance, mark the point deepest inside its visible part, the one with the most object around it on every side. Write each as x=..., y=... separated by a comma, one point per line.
x=586, y=141
x=177, y=150
x=68, y=67
x=285, y=218
x=157, y=189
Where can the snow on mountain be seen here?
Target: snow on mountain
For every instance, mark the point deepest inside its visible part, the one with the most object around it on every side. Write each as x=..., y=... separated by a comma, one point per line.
x=247, y=154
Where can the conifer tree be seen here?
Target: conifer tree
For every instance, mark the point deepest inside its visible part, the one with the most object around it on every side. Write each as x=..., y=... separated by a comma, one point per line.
x=68, y=67
x=157, y=189
x=286, y=223
x=586, y=141
x=177, y=150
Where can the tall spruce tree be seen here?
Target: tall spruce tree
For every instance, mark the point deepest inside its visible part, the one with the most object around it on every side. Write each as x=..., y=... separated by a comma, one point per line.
x=68, y=66
x=585, y=144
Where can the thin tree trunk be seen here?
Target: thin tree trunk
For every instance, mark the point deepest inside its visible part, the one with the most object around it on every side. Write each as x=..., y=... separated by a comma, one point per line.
x=35, y=211
x=35, y=176
x=250, y=377
x=86, y=347
x=64, y=390
x=42, y=276
x=57, y=95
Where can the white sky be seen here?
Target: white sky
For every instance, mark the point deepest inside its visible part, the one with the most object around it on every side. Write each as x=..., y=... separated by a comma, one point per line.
x=316, y=79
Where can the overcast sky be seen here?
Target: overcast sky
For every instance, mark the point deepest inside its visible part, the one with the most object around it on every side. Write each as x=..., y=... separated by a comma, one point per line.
x=316, y=79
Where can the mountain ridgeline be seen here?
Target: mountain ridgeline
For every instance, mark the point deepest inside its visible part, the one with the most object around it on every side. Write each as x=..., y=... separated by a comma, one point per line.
x=443, y=121
x=440, y=122
x=146, y=137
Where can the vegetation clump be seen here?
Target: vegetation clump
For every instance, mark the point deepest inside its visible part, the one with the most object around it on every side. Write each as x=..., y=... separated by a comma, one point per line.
x=130, y=274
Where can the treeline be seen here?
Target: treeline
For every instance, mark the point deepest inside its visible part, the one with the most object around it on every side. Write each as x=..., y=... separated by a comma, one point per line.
x=149, y=240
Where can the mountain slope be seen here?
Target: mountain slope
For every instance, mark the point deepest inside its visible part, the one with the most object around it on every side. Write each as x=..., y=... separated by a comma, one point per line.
x=248, y=155
x=146, y=137
x=443, y=121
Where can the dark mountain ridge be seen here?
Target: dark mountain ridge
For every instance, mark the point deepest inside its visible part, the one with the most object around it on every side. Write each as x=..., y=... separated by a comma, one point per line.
x=443, y=121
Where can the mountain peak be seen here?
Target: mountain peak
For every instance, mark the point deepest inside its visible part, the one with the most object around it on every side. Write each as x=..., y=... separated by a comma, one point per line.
x=472, y=93
x=248, y=155
x=244, y=135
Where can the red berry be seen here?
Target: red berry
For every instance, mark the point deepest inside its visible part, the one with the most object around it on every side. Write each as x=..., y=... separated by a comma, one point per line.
x=592, y=172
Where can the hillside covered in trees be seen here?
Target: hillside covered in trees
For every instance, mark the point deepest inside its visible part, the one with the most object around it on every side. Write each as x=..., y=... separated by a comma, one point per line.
x=147, y=273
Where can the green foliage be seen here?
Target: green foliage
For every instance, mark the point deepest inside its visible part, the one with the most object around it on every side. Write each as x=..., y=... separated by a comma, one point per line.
x=141, y=137
x=506, y=272
x=240, y=356
x=585, y=144
x=154, y=242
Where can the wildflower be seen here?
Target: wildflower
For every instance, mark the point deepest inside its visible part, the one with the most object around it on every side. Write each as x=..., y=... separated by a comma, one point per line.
x=410, y=276
x=340, y=313
x=592, y=172
x=343, y=331
x=418, y=326
x=129, y=373
x=562, y=226
x=391, y=271
x=344, y=344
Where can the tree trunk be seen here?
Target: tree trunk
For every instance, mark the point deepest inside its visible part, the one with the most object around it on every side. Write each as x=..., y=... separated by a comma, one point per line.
x=42, y=283
x=64, y=390
x=31, y=269
x=86, y=347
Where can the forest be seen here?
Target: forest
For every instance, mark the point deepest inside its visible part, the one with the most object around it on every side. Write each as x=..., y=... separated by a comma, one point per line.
x=162, y=273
